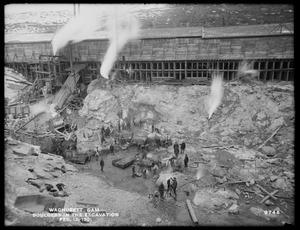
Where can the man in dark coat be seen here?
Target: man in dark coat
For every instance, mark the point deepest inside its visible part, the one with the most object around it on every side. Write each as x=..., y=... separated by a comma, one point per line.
x=186, y=161
x=176, y=149
x=101, y=164
x=112, y=150
x=161, y=190
x=133, y=171
x=145, y=173
x=182, y=147
x=169, y=186
x=174, y=187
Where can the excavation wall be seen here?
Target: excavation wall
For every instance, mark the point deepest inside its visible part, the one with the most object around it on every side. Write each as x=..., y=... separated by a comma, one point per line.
x=248, y=115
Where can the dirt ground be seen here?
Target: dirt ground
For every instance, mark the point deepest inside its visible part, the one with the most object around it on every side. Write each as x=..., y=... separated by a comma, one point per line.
x=115, y=191
x=170, y=211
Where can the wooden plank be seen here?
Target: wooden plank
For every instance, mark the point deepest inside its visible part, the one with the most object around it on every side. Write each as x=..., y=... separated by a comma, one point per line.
x=268, y=196
x=68, y=86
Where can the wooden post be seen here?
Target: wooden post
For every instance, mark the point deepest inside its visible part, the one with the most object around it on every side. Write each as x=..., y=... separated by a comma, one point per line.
x=266, y=73
x=163, y=58
x=74, y=10
x=284, y=47
x=185, y=69
x=287, y=71
x=174, y=63
x=280, y=72
x=273, y=70
x=268, y=47
x=258, y=77
x=152, y=49
x=268, y=196
x=191, y=211
x=71, y=58
x=140, y=72
x=266, y=192
x=207, y=70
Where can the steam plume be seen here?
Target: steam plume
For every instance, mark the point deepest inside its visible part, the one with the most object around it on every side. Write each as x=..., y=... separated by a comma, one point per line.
x=199, y=173
x=246, y=70
x=216, y=94
x=39, y=107
x=78, y=29
x=122, y=28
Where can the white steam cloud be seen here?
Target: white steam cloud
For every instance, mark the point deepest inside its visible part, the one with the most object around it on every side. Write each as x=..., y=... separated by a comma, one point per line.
x=39, y=107
x=119, y=23
x=246, y=70
x=78, y=29
x=200, y=172
x=216, y=94
x=122, y=28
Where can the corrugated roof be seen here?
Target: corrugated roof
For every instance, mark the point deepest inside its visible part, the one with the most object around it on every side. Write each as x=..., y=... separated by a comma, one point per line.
x=214, y=32
x=251, y=30
x=172, y=32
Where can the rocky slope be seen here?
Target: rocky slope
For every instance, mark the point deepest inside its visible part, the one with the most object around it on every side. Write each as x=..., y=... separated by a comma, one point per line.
x=248, y=115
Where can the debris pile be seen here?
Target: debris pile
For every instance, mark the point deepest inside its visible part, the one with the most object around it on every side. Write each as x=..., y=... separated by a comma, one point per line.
x=30, y=172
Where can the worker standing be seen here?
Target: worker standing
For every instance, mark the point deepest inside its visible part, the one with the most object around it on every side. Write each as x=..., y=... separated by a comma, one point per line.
x=161, y=190
x=112, y=149
x=97, y=154
x=182, y=147
x=174, y=187
x=169, y=186
x=186, y=161
x=176, y=149
x=133, y=171
x=101, y=164
x=145, y=173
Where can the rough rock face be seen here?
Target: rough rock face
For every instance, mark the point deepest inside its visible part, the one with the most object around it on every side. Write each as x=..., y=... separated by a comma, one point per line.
x=248, y=115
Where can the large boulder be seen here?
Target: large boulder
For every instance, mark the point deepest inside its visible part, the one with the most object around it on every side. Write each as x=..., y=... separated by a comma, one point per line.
x=102, y=105
x=24, y=149
x=208, y=199
x=280, y=183
x=276, y=123
x=70, y=168
x=269, y=151
x=257, y=211
x=218, y=172
x=228, y=194
x=41, y=174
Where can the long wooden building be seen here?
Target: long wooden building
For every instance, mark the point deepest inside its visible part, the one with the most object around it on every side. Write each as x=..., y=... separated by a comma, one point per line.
x=170, y=53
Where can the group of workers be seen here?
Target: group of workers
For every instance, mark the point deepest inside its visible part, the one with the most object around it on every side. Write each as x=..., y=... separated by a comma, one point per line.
x=172, y=186
x=171, y=182
x=182, y=148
